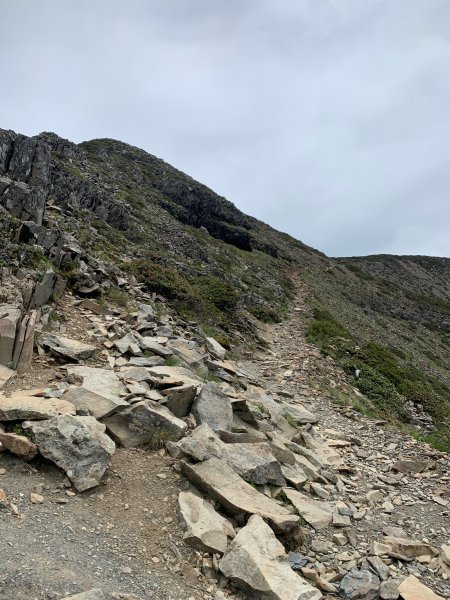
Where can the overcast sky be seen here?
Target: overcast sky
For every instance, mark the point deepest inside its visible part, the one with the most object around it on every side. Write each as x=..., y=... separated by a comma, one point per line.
x=327, y=119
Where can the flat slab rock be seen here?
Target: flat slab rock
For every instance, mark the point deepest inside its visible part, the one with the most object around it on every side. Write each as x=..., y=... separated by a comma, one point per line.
x=5, y=375
x=413, y=589
x=78, y=445
x=66, y=348
x=317, y=513
x=217, y=479
x=95, y=594
x=99, y=405
x=254, y=462
x=257, y=562
x=103, y=382
x=207, y=531
x=23, y=405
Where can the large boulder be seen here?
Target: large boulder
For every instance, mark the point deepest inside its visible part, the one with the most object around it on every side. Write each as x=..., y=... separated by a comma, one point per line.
x=143, y=423
x=66, y=348
x=254, y=462
x=99, y=405
x=212, y=406
x=9, y=321
x=206, y=530
x=23, y=405
x=257, y=562
x=412, y=588
x=78, y=445
x=215, y=349
x=101, y=389
x=217, y=479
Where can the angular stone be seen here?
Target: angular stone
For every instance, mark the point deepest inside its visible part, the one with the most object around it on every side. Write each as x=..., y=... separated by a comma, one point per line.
x=212, y=406
x=294, y=475
x=412, y=588
x=215, y=349
x=78, y=445
x=66, y=348
x=143, y=423
x=256, y=562
x=217, y=478
x=359, y=585
x=126, y=343
x=315, y=512
x=207, y=531
x=19, y=445
x=180, y=399
x=164, y=377
x=98, y=405
x=188, y=351
x=145, y=361
x=23, y=347
x=9, y=321
x=410, y=548
x=380, y=568
x=101, y=382
x=412, y=466
x=445, y=554
x=147, y=343
x=23, y=405
x=5, y=375
x=254, y=462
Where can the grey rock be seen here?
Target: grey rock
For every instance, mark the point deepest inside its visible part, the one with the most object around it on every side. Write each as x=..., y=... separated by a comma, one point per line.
x=147, y=343
x=315, y=512
x=207, y=531
x=102, y=388
x=98, y=405
x=216, y=478
x=5, y=375
x=256, y=562
x=389, y=589
x=188, y=351
x=212, y=406
x=66, y=348
x=180, y=399
x=145, y=422
x=215, y=349
x=254, y=462
x=360, y=585
x=9, y=321
x=76, y=444
x=146, y=361
x=24, y=343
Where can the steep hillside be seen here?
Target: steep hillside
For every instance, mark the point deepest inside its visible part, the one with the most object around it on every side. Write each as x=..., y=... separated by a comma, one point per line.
x=102, y=213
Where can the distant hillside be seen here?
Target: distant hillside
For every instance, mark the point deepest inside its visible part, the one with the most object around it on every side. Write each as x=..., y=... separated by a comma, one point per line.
x=102, y=209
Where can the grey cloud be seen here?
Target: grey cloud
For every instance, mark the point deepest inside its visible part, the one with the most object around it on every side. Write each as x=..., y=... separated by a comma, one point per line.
x=327, y=119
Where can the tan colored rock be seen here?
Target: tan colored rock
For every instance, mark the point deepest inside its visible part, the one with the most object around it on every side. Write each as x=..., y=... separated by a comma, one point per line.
x=410, y=548
x=9, y=319
x=99, y=405
x=256, y=562
x=23, y=347
x=19, y=445
x=23, y=405
x=315, y=512
x=36, y=498
x=445, y=554
x=217, y=478
x=413, y=589
x=207, y=531
x=3, y=499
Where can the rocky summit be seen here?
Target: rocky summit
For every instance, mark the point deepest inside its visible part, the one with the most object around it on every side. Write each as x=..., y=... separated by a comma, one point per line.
x=194, y=406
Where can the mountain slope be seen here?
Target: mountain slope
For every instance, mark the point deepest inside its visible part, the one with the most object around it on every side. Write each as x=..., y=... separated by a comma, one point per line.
x=102, y=210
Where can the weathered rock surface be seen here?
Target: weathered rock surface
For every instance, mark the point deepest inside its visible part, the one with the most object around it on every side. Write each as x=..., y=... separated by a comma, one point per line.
x=257, y=562
x=360, y=585
x=315, y=512
x=76, y=444
x=95, y=594
x=23, y=405
x=217, y=478
x=101, y=382
x=19, y=445
x=215, y=349
x=145, y=422
x=10, y=316
x=66, y=348
x=98, y=405
x=254, y=462
x=5, y=375
x=413, y=589
x=147, y=343
x=207, y=531
x=212, y=406
x=409, y=548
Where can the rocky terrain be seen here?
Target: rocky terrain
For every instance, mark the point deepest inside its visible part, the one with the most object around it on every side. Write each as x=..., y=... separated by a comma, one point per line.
x=193, y=405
